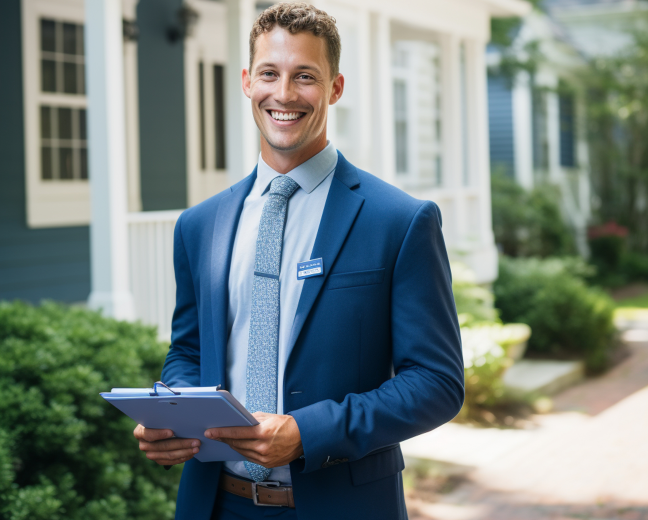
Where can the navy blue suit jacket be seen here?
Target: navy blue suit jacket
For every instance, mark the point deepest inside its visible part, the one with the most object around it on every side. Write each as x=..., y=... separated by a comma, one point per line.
x=376, y=352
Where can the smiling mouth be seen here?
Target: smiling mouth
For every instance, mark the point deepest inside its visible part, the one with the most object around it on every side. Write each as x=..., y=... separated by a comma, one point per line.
x=285, y=116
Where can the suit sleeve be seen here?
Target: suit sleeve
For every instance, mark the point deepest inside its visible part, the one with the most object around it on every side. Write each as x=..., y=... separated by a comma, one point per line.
x=428, y=387
x=182, y=364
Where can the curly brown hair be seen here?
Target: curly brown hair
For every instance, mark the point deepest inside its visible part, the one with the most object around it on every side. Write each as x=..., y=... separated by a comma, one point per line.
x=297, y=17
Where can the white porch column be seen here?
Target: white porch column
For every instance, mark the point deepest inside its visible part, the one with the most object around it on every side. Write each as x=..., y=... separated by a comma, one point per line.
x=482, y=152
x=384, y=146
x=522, y=136
x=453, y=153
x=107, y=149
x=242, y=137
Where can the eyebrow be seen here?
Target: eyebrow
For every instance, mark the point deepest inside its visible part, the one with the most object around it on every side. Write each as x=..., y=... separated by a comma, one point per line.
x=299, y=67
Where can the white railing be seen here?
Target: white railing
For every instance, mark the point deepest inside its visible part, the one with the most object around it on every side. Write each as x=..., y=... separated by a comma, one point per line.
x=150, y=236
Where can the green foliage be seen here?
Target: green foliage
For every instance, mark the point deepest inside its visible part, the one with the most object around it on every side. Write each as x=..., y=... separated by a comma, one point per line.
x=617, y=112
x=503, y=30
x=475, y=304
x=484, y=341
x=64, y=452
x=568, y=318
x=528, y=223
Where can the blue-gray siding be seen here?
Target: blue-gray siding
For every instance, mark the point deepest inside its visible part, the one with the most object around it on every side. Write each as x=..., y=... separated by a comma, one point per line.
x=500, y=124
x=163, y=154
x=34, y=263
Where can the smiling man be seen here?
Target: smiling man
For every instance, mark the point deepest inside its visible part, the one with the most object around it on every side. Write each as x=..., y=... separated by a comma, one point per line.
x=320, y=297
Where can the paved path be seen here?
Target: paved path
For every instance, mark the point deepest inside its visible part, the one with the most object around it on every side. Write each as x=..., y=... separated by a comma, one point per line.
x=588, y=459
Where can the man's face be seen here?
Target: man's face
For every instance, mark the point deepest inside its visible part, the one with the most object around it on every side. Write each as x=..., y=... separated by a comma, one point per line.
x=290, y=87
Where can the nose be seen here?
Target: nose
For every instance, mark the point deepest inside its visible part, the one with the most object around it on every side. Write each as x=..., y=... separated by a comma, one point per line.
x=286, y=92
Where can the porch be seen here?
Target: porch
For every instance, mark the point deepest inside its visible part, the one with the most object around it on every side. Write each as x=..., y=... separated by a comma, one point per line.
x=414, y=113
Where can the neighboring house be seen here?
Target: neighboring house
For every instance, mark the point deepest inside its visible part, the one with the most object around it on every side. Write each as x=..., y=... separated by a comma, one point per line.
x=166, y=126
x=600, y=27
x=537, y=120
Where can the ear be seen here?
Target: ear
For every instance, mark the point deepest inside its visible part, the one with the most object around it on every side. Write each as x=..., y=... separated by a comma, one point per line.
x=338, y=89
x=245, y=82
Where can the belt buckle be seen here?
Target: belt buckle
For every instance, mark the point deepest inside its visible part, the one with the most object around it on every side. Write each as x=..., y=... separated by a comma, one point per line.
x=267, y=484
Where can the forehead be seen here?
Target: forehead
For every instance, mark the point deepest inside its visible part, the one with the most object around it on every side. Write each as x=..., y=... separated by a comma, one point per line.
x=284, y=49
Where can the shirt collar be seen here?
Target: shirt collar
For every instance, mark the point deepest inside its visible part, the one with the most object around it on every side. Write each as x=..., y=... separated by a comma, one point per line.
x=309, y=175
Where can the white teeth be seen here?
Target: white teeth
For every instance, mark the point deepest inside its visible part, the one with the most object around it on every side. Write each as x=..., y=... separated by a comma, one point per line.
x=282, y=116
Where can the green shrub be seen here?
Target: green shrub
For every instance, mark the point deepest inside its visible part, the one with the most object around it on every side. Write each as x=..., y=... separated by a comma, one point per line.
x=64, y=452
x=528, y=222
x=485, y=342
x=635, y=266
x=568, y=318
x=474, y=303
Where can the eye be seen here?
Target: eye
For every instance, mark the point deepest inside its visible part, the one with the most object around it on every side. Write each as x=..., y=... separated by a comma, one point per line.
x=305, y=76
x=267, y=74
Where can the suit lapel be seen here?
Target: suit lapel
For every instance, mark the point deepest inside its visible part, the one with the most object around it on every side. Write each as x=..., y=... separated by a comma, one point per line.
x=225, y=225
x=340, y=211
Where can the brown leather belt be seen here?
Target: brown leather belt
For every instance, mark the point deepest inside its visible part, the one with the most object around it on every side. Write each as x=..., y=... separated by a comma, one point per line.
x=261, y=493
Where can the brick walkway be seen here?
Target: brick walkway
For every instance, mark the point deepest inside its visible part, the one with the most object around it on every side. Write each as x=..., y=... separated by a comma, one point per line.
x=588, y=459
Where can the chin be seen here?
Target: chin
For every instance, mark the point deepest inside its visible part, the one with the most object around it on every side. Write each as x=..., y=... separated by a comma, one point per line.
x=284, y=146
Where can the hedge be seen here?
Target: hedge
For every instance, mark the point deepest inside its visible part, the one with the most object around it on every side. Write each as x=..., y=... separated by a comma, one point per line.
x=568, y=318
x=64, y=452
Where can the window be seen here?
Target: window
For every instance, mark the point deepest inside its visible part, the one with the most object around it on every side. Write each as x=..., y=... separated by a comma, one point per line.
x=567, y=130
x=418, y=122
x=64, y=153
x=219, y=115
x=214, y=158
x=55, y=105
x=62, y=58
x=539, y=127
x=400, y=121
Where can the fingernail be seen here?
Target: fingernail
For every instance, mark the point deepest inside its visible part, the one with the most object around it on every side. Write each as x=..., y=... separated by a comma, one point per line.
x=196, y=450
x=195, y=443
x=208, y=434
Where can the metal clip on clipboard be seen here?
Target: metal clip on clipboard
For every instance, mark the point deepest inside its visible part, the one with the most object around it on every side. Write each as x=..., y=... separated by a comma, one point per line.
x=155, y=392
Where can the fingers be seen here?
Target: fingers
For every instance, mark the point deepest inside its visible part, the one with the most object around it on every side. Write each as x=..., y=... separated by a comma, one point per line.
x=239, y=432
x=170, y=445
x=150, y=434
x=171, y=457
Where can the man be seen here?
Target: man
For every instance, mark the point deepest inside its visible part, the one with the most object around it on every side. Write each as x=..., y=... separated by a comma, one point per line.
x=320, y=297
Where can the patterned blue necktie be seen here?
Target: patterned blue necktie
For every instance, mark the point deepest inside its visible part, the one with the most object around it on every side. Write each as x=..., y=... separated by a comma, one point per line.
x=263, y=346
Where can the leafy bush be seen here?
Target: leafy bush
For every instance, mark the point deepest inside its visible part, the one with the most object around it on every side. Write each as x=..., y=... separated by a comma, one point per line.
x=485, y=342
x=635, y=266
x=528, y=223
x=568, y=318
x=64, y=452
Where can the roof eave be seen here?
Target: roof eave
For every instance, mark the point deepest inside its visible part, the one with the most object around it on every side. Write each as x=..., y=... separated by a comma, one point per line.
x=508, y=8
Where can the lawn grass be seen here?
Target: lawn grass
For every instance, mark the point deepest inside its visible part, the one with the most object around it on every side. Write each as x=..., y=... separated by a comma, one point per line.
x=640, y=302
x=632, y=309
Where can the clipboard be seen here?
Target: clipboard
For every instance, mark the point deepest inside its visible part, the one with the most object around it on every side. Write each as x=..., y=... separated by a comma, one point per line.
x=188, y=412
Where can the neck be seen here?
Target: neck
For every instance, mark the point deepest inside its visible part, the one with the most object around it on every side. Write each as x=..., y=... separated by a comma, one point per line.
x=285, y=161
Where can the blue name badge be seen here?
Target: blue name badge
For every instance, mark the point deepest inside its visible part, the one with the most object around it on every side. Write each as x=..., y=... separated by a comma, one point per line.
x=310, y=268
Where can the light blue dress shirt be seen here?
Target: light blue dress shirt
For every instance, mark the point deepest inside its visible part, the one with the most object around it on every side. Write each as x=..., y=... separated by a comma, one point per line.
x=303, y=217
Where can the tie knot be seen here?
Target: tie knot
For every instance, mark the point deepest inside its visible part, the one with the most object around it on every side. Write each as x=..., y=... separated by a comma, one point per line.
x=284, y=186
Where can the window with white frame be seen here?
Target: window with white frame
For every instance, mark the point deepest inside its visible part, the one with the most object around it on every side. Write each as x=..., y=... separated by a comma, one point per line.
x=55, y=107
x=64, y=150
x=205, y=58
x=417, y=114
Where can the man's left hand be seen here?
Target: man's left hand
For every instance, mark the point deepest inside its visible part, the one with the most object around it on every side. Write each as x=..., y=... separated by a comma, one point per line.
x=274, y=442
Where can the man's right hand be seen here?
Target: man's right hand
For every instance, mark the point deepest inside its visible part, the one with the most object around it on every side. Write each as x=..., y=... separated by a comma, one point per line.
x=163, y=448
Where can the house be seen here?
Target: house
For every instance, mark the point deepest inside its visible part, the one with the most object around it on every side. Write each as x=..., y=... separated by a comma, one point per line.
x=600, y=27
x=537, y=117
x=118, y=114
